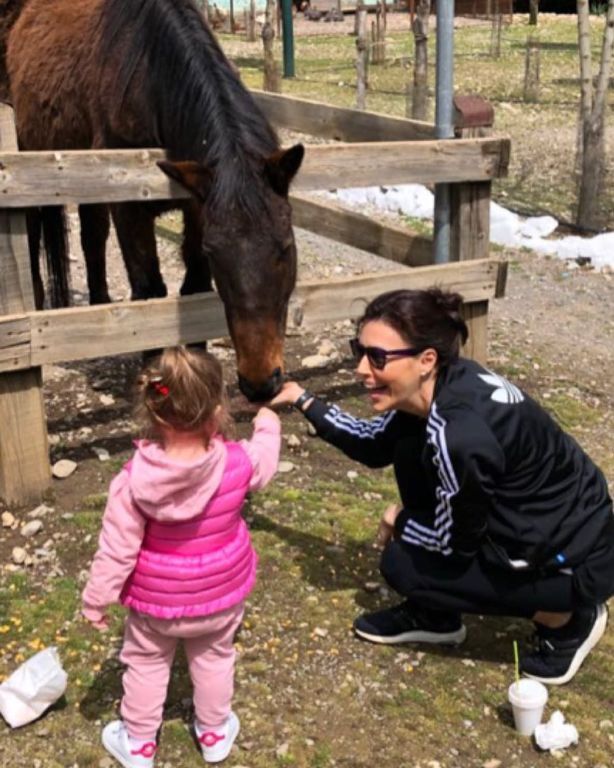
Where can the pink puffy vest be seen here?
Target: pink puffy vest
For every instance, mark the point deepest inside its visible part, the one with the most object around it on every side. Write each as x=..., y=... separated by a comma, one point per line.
x=203, y=565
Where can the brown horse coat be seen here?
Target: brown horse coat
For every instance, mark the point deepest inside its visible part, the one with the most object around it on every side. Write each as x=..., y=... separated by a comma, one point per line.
x=110, y=74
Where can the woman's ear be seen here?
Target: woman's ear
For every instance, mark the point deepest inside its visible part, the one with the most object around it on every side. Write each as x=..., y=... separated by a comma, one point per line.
x=428, y=361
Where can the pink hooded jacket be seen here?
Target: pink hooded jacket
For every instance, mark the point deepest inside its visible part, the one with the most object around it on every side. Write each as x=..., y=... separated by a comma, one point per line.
x=167, y=492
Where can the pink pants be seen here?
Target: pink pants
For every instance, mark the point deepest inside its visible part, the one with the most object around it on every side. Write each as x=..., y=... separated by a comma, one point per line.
x=148, y=651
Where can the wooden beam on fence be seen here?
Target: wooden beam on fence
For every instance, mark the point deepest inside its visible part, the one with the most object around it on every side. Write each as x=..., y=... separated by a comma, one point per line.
x=337, y=223
x=470, y=219
x=340, y=123
x=80, y=333
x=24, y=462
x=89, y=176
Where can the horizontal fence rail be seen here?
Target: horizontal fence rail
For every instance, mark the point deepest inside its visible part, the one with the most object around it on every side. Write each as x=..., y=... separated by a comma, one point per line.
x=340, y=123
x=79, y=333
x=89, y=176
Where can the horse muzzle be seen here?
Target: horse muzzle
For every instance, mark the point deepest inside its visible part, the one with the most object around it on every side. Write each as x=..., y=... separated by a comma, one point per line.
x=264, y=390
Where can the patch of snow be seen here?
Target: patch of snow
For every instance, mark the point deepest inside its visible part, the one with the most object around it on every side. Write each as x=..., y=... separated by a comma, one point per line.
x=506, y=228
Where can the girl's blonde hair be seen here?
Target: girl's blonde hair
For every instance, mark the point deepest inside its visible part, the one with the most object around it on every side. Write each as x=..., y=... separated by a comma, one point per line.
x=183, y=389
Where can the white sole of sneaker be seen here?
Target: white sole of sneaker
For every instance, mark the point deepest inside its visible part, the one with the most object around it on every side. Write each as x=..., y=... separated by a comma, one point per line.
x=587, y=646
x=417, y=636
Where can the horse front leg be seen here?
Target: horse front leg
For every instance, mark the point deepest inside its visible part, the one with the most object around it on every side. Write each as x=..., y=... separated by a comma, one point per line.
x=95, y=224
x=134, y=224
x=34, y=228
x=197, y=270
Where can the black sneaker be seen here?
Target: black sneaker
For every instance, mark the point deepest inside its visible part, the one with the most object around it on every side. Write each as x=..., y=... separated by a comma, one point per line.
x=560, y=652
x=406, y=623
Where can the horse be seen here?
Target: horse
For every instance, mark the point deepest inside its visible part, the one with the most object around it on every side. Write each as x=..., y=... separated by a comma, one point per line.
x=100, y=74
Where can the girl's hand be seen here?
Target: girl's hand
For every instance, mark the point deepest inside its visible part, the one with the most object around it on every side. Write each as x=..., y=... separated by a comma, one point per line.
x=102, y=625
x=386, y=524
x=288, y=395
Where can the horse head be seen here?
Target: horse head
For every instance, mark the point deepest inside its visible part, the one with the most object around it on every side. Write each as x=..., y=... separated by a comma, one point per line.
x=253, y=262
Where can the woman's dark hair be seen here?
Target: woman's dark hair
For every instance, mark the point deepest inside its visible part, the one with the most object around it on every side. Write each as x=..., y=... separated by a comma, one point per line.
x=428, y=319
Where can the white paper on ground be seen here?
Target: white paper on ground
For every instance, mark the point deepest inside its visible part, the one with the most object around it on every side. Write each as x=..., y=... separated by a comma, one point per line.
x=32, y=688
x=556, y=733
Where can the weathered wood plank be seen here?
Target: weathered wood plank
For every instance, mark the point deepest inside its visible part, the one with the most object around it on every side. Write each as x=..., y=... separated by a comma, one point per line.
x=337, y=223
x=24, y=462
x=339, y=123
x=80, y=176
x=81, y=333
x=342, y=298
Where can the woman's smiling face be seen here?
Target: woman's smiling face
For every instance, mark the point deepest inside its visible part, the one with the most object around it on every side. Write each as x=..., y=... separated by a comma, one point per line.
x=405, y=383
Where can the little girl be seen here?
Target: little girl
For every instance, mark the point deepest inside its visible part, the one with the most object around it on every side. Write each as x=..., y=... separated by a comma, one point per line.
x=175, y=550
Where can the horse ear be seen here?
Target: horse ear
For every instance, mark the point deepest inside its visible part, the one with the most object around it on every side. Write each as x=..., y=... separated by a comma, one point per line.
x=193, y=176
x=282, y=166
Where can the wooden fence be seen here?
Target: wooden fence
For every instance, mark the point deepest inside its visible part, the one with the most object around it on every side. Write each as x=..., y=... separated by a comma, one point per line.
x=375, y=149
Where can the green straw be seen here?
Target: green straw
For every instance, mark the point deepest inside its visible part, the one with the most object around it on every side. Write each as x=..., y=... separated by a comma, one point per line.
x=516, y=663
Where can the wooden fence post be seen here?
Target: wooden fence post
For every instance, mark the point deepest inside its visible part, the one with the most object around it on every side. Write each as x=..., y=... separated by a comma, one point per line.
x=24, y=454
x=470, y=217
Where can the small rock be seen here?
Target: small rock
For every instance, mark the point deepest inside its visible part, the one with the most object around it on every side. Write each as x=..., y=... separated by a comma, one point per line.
x=40, y=511
x=107, y=399
x=311, y=430
x=327, y=348
x=19, y=555
x=371, y=586
x=53, y=439
x=352, y=474
x=468, y=662
x=31, y=528
x=606, y=725
x=320, y=632
x=102, y=453
x=63, y=468
x=285, y=467
x=282, y=749
x=314, y=361
x=494, y=763
x=293, y=441
x=8, y=520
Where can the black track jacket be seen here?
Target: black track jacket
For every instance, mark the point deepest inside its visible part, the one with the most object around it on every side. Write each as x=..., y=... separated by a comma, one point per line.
x=488, y=471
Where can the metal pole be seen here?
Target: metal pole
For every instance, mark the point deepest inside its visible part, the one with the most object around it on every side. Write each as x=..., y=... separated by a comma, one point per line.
x=288, y=37
x=444, y=122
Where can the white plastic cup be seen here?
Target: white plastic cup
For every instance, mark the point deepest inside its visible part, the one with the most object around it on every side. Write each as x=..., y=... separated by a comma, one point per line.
x=528, y=699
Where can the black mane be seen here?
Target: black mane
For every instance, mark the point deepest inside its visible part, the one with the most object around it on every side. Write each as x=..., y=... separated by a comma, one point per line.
x=197, y=106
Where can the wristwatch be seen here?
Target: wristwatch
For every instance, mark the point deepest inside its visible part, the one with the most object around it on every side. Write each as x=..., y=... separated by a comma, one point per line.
x=302, y=399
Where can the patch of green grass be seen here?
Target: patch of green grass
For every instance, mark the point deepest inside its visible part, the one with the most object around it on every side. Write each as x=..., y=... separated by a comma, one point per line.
x=95, y=502
x=570, y=412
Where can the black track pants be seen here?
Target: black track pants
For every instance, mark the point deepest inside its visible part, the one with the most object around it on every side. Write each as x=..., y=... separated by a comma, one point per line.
x=433, y=581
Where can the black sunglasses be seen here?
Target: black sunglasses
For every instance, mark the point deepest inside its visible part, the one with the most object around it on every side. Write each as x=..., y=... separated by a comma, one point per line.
x=378, y=357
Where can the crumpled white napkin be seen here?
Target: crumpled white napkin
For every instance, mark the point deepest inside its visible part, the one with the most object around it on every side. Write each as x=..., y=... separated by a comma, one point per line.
x=32, y=688
x=556, y=733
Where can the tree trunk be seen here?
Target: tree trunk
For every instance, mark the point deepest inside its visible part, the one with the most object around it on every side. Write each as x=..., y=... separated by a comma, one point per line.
x=272, y=80
x=420, y=29
x=591, y=158
x=250, y=22
x=531, y=70
x=533, y=12
x=495, y=31
x=362, y=59
x=591, y=174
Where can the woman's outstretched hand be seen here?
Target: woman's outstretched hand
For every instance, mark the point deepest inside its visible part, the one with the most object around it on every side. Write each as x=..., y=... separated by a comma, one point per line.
x=288, y=394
